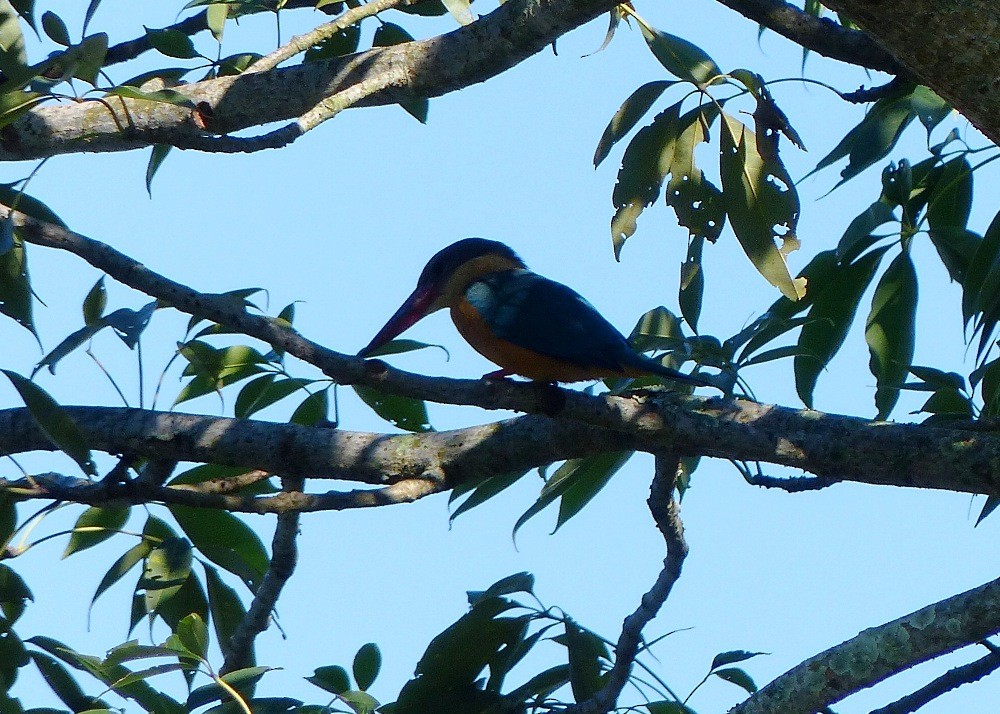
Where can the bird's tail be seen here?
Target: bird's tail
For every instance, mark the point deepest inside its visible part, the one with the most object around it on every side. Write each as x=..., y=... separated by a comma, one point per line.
x=638, y=365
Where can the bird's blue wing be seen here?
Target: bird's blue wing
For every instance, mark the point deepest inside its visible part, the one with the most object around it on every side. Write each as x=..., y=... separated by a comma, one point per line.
x=547, y=317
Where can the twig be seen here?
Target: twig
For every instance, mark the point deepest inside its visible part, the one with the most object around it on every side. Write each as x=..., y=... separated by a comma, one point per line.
x=792, y=484
x=301, y=43
x=881, y=652
x=70, y=490
x=284, y=555
x=953, y=678
x=666, y=513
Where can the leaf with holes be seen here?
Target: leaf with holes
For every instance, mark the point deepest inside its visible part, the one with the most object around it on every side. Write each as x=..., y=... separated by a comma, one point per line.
x=760, y=198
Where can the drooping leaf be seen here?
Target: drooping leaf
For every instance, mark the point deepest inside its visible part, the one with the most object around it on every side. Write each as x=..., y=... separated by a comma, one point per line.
x=95, y=302
x=589, y=476
x=858, y=235
x=129, y=324
x=15, y=286
x=225, y=540
x=586, y=652
x=484, y=491
x=692, y=283
x=522, y=582
x=889, y=331
x=630, y=112
x=761, y=200
x=389, y=34
x=166, y=569
x=313, y=409
x=697, y=202
x=830, y=319
x=645, y=165
x=193, y=634
x=225, y=607
x=57, y=425
x=680, y=57
x=63, y=684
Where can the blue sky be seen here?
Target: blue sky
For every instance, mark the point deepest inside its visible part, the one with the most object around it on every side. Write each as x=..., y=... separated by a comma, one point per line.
x=344, y=219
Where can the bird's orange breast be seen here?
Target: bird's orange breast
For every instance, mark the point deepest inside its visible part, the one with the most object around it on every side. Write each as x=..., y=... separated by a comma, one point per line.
x=518, y=360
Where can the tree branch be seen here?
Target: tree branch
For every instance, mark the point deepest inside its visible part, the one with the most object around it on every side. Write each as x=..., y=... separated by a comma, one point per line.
x=818, y=34
x=428, y=68
x=953, y=678
x=666, y=513
x=284, y=555
x=880, y=652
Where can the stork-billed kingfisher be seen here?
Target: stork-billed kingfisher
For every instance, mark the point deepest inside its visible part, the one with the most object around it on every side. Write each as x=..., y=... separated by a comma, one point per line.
x=525, y=323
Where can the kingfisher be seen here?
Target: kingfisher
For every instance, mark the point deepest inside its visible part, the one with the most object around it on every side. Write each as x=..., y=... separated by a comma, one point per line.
x=526, y=324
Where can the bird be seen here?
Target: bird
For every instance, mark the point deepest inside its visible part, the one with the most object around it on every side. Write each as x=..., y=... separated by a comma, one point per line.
x=525, y=323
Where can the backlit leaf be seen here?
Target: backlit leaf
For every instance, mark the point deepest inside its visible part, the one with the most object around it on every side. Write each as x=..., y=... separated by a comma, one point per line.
x=630, y=112
x=95, y=525
x=889, y=331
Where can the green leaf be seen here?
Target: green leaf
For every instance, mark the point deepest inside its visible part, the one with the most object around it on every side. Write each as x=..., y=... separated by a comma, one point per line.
x=830, y=320
x=586, y=652
x=240, y=679
x=859, y=231
x=130, y=324
x=54, y=421
x=889, y=331
x=62, y=683
x=588, y=476
x=668, y=707
x=486, y=490
x=225, y=540
x=193, y=634
x=172, y=43
x=15, y=286
x=313, y=409
x=162, y=96
x=522, y=582
x=389, y=34
x=95, y=525
x=64, y=348
x=628, y=115
x=950, y=199
x=264, y=391
x=732, y=657
x=460, y=10
x=645, y=165
x=757, y=204
x=585, y=477
x=404, y=412
x=13, y=59
x=697, y=202
x=166, y=569
x=95, y=302
x=738, y=677
x=55, y=28
x=225, y=606
x=872, y=139
x=692, y=283
x=360, y=702
x=120, y=567
x=156, y=158
x=333, y=679
x=215, y=17
x=681, y=58
x=367, y=663
x=343, y=42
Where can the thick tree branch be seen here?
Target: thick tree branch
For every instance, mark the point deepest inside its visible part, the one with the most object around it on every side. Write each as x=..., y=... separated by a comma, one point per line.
x=880, y=652
x=427, y=68
x=284, y=556
x=830, y=446
x=666, y=513
x=820, y=35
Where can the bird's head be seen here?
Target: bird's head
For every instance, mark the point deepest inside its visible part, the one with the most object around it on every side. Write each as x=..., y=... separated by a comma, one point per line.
x=443, y=281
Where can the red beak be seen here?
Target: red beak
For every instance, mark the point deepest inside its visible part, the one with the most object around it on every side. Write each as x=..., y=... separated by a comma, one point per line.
x=409, y=313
